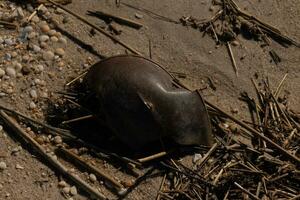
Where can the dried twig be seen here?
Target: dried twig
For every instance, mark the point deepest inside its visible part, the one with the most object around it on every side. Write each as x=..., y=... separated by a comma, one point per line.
x=246, y=191
x=118, y=19
x=49, y=157
x=74, y=158
x=232, y=58
x=96, y=28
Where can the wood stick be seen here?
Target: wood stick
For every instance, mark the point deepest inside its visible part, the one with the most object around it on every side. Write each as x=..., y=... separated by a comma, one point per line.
x=96, y=28
x=8, y=25
x=246, y=191
x=78, y=119
x=50, y=158
x=34, y=13
x=152, y=157
x=117, y=186
x=278, y=89
x=121, y=20
x=207, y=155
x=161, y=187
x=255, y=132
x=55, y=131
x=232, y=58
x=76, y=78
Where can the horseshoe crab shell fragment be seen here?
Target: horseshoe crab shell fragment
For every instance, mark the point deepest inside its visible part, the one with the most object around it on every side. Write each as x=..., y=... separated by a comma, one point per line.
x=141, y=103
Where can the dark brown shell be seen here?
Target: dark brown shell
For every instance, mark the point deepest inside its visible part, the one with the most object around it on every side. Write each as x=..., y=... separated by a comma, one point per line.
x=141, y=103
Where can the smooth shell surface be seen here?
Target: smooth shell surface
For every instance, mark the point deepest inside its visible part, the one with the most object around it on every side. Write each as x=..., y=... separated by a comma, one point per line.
x=141, y=103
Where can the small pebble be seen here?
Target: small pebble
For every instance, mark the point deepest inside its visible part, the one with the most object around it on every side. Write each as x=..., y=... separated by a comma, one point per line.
x=66, y=19
x=18, y=66
x=235, y=43
x=8, y=42
x=32, y=105
x=36, y=48
x=19, y=166
x=48, y=55
x=57, y=140
x=45, y=28
x=14, y=54
x=197, y=157
x=60, y=51
x=35, y=19
x=33, y=94
x=39, y=68
x=73, y=191
x=52, y=32
x=26, y=70
x=62, y=40
x=7, y=56
x=66, y=190
x=2, y=73
x=31, y=35
x=44, y=45
x=2, y=165
x=62, y=184
x=28, y=29
x=138, y=16
x=92, y=178
x=43, y=38
x=54, y=39
x=10, y=72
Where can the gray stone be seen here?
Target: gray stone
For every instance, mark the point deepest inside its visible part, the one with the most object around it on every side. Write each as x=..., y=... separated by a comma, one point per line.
x=7, y=56
x=9, y=41
x=36, y=48
x=33, y=94
x=28, y=29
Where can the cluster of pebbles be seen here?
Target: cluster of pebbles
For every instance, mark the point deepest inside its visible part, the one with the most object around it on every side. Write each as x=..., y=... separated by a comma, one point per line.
x=29, y=54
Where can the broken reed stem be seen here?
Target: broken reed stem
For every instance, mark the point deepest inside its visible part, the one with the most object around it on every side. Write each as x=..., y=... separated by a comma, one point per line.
x=258, y=134
x=246, y=191
x=53, y=130
x=34, y=12
x=76, y=78
x=161, y=187
x=78, y=119
x=121, y=20
x=8, y=25
x=75, y=158
x=50, y=158
x=232, y=58
x=96, y=28
x=152, y=157
x=207, y=155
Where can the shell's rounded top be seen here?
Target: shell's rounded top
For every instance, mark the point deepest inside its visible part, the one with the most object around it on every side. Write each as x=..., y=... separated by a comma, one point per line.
x=142, y=103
